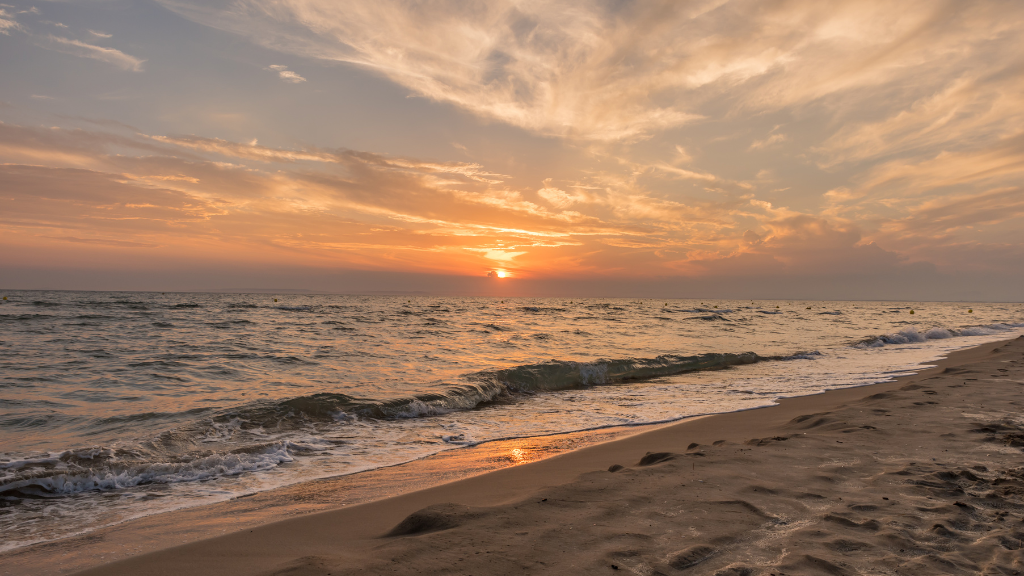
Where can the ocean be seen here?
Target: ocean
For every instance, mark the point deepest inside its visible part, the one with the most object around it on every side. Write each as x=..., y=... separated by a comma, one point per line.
x=116, y=405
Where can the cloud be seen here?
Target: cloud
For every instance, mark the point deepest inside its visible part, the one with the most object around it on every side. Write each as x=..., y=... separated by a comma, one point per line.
x=971, y=109
x=769, y=141
x=560, y=198
x=100, y=34
x=107, y=242
x=75, y=199
x=285, y=74
x=253, y=151
x=993, y=162
x=108, y=55
x=799, y=245
x=438, y=208
x=7, y=22
x=685, y=174
x=363, y=209
x=682, y=156
x=555, y=69
x=611, y=71
x=192, y=198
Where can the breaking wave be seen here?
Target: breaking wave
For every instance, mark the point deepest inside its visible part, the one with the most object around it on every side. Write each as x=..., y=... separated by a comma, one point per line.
x=104, y=469
x=915, y=334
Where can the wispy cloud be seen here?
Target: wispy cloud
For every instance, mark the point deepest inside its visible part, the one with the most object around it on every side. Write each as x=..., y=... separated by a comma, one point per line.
x=971, y=109
x=561, y=72
x=103, y=54
x=608, y=71
x=100, y=34
x=106, y=242
x=8, y=22
x=285, y=74
x=769, y=141
x=560, y=198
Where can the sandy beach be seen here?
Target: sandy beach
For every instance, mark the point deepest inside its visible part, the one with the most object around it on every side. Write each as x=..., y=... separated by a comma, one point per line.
x=922, y=475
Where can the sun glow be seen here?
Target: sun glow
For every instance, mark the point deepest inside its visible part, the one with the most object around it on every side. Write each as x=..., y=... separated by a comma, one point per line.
x=501, y=273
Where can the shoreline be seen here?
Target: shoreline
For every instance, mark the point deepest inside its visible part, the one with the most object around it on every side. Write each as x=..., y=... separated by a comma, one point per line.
x=360, y=524
x=151, y=532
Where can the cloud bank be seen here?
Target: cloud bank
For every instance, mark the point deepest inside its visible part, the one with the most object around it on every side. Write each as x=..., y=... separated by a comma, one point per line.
x=199, y=198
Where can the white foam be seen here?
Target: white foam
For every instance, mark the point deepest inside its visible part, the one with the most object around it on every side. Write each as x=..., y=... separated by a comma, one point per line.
x=911, y=335
x=120, y=475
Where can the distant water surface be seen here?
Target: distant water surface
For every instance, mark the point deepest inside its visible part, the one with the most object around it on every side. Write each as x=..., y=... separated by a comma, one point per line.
x=119, y=404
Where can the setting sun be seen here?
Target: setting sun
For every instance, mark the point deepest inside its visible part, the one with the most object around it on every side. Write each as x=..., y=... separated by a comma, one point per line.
x=502, y=273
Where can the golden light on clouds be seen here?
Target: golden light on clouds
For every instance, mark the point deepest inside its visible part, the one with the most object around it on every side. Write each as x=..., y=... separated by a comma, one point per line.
x=573, y=140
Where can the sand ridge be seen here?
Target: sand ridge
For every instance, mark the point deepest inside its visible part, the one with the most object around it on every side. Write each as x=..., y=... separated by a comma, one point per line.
x=921, y=476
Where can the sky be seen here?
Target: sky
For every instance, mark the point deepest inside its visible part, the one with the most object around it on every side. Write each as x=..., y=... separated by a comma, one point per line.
x=795, y=149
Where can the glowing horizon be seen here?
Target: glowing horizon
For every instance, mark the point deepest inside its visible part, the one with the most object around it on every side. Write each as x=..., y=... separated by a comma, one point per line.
x=716, y=142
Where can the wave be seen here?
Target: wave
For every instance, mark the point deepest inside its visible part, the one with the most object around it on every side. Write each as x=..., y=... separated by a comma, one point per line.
x=711, y=310
x=23, y=317
x=104, y=469
x=708, y=318
x=812, y=355
x=603, y=306
x=493, y=385
x=563, y=375
x=913, y=334
x=190, y=454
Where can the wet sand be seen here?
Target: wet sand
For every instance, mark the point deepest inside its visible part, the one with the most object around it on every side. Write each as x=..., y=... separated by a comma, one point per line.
x=924, y=475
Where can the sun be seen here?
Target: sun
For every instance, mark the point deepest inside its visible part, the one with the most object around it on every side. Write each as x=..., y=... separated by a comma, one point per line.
x=502, y=273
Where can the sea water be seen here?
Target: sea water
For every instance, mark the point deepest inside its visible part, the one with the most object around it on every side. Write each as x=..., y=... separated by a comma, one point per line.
x=115, y=405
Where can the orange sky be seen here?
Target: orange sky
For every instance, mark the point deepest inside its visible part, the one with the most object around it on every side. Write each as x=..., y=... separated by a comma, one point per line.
x=684, y=147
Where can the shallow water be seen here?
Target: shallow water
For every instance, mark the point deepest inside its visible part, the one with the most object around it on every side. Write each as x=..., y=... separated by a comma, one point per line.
x=116, y=405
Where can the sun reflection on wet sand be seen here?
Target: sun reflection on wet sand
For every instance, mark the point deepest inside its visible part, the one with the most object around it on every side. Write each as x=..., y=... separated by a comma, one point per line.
x=523, y=451
x=518, y=456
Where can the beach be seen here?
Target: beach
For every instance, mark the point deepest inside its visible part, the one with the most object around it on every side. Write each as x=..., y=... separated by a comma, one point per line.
x=921, y=475
x=301, y=287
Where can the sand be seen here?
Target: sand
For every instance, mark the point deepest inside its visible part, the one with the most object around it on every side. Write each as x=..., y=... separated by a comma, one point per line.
x=924, y=475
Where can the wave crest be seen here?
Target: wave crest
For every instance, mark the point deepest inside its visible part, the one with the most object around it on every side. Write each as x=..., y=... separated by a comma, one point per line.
x=913, y=334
